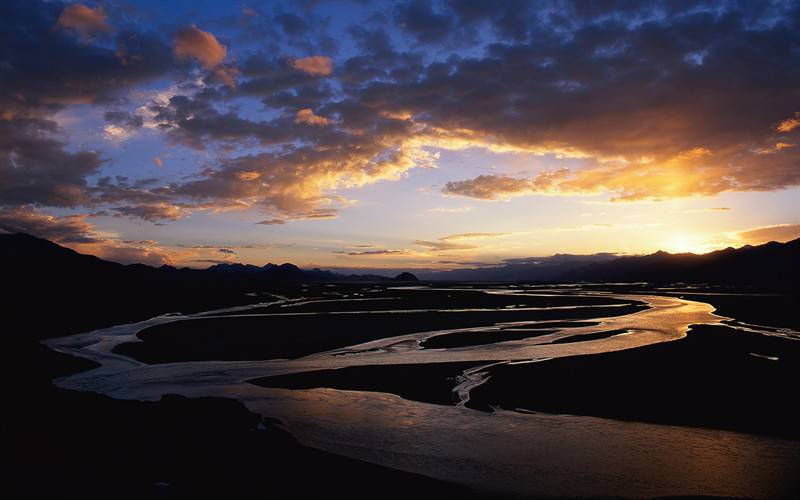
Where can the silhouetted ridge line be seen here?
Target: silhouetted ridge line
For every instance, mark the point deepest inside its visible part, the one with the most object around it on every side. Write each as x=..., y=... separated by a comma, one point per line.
x=772, y=264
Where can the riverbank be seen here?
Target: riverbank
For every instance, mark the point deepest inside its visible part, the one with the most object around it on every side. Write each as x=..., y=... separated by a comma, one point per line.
x=715, y=377
x=68, y=444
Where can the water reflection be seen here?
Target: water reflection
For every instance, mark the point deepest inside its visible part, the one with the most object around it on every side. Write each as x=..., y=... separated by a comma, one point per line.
x=525, y=453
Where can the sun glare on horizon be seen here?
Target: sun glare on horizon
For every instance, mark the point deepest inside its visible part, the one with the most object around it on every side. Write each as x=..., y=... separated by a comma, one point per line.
x=686, y=243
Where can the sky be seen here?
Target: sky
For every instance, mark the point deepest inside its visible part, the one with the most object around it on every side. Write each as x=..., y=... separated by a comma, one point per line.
x=402, y=135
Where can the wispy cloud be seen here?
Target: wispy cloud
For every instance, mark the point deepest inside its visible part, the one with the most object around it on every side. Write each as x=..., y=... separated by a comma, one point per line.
x=450, y=210
x=382, y=251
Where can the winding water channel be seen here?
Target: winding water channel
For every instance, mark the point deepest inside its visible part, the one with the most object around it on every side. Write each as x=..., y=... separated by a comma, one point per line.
x=505, y=451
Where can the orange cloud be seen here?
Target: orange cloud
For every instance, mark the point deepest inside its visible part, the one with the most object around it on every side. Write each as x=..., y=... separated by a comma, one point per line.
x=471, y=236
x=693, y=172
x=314, y=65
x=75, y=232
x=789, y=124
x=778, y=232
x=778, y=147
x=379, y=252
x=84, y=20
x=227, y=75
x=202, y=46
x=308, y=117
x=248, y=176
x=443, y=246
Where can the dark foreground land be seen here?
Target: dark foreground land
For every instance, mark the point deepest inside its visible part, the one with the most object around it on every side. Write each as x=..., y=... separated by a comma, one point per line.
x=67, y=444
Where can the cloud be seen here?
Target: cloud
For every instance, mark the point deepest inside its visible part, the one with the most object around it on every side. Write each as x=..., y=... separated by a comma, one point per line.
x=76, y=232
x=450, y=210
x=620, y=95
x=36, y=168
x=456, y=241
x=202, y=46
x=778, y=232
x=625, y=100
x=418, y=18
x=292, y=24
x=308, y=117
x=491, y=187
x=382, y=251
x=676, y=176
x=84, y=20
x=524, y=260
x=314, y=65
x=272, y=222
x=789, y=124
x=65, y=229
x=226, y=75
x=121, y=124
x=705, y=210
x=249, y=11
x=459, y=263
x=42, y=68
x=443, y=246
x=471, y=236
x=125, y=254
x=620, y=100
x=152, y=212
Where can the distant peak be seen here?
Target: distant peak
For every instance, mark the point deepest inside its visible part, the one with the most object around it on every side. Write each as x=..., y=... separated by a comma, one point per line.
x=405, y=277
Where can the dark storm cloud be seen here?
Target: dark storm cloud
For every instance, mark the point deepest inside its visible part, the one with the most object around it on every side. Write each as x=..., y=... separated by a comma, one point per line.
x=509, y=19
x=42, y=66
x=378, y=59
x=292, y=24
x=196, y=123
x=124, y=119
x=419, y=18
x=48, y=61
x=35, y=167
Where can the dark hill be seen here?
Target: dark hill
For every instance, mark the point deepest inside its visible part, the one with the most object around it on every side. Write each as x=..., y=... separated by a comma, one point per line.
x=772, y=265
x=405, y=277
x=43, y=278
